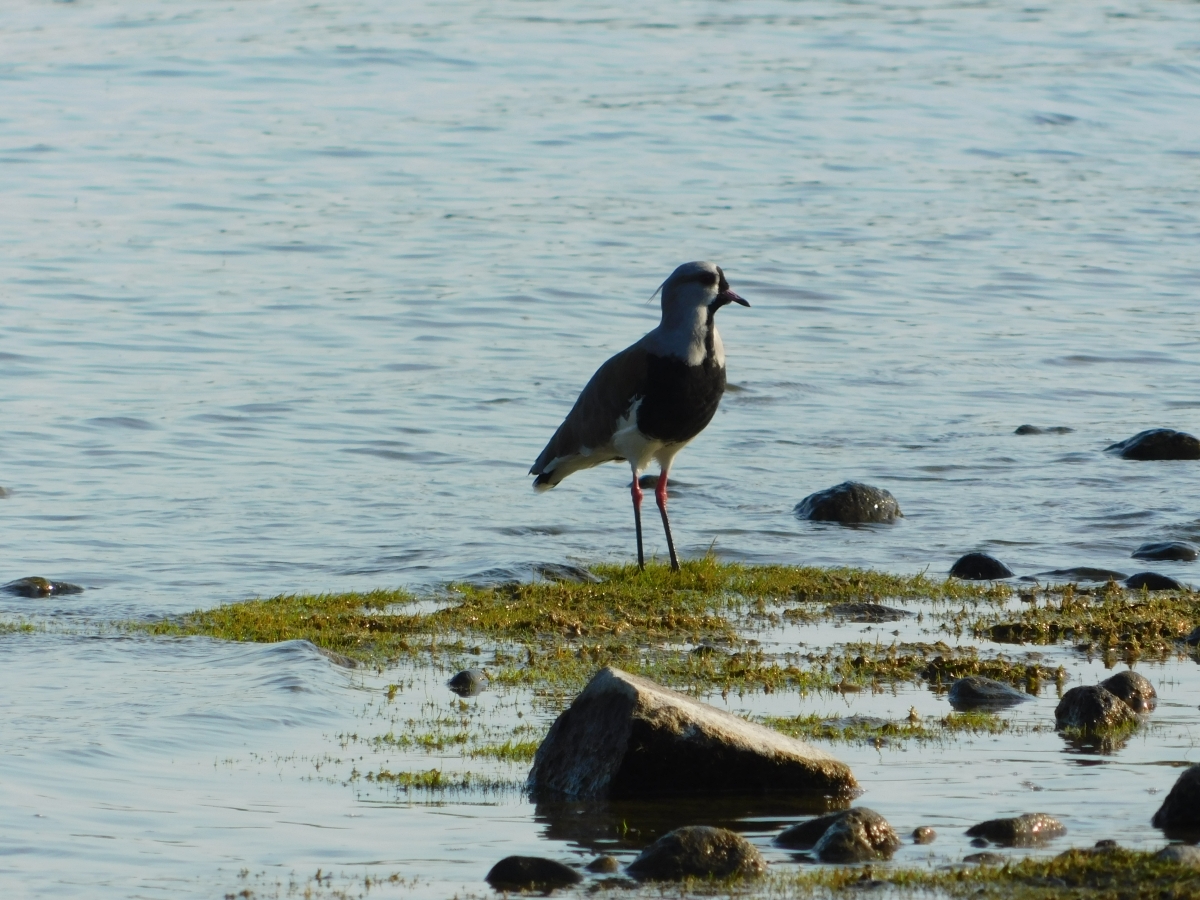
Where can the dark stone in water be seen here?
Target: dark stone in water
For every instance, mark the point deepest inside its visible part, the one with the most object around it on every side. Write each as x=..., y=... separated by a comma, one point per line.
x=1180, y=811
x=627, y=737
x=1028, y=830
x=868, y=612
x=1152, y=581
x=1035, y=429
x=468, y=682
x=924, y=835
x=860, y=835
x=36, y=586
x=705, y=650
x=980, y=567
x=804, y=835
x=986, y=858
x=1136, y=690
x=531, y=873
x=975, y=691
x=1083, y=573
x=605, y=865
x=1092, y=708
x=1167, y=551
x=850, y=503
x=698, y=851
x=1156, y=444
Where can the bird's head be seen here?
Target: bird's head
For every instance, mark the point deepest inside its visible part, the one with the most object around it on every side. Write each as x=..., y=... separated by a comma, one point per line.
x=695, y=285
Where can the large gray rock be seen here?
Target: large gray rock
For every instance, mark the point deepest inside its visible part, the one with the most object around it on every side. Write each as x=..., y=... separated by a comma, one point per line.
x=1157, y=443
x=850, y=503
x=627, y=737
x=1136, y=690
x=1028, y=830
x=860, y=835
x=977, y=692
x=1180, y=811
x=1092, y=708
x=698, y=851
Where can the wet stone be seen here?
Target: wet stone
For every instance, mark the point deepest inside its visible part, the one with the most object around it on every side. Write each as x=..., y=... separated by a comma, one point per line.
x=924, y=835
x=1167, y=551
x=1036, y=429
x=1194, y=637
x=1152, y=581
x=566, y=573
x=1083, y=573
x=980, y=567
x=1180, y=811
x=1028, y=830
x=532, y=873
x=804, y=835
x=1183, y=854
x=860, y=835
x=974, y=692
x=36, y=586
x=468, y=682
x=698, y=851
x=1136, y=690
x=987, y=858
x=850, y=503
x=1092, y=708
x=605, y=865
x=1157, y=444
x=868, y=612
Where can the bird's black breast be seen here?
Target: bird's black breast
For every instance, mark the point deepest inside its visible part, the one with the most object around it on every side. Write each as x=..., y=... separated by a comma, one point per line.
x=680, y=399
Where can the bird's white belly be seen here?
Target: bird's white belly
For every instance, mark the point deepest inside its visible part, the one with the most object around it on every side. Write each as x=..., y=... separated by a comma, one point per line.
x=629, y=441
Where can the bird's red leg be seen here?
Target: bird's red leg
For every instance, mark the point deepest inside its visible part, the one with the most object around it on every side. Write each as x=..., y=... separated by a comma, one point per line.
x=636, y=490
x=660, y=495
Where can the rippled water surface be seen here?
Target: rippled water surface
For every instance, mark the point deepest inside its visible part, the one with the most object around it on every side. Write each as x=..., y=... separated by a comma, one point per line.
x=292, y=294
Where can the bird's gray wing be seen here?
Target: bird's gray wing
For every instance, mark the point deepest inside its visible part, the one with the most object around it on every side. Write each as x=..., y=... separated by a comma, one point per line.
x=606, y=398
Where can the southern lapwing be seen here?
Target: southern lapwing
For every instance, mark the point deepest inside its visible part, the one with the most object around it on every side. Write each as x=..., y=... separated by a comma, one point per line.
x=650, y=399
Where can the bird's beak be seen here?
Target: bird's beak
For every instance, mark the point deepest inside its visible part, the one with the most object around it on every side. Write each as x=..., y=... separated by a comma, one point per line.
x=728, y=296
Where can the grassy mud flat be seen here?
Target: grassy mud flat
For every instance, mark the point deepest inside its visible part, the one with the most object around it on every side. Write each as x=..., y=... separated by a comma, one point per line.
x=716, y=628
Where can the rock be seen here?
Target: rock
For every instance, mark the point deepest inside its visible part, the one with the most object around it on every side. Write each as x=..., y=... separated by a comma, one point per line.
x=566, y=573
x=850, y=503
x=1034, y=429
x=627, y=737
x=605, y=865
x=1104, y=845
x=1184, y=854
x=1083, y=573
x=36, y=586
x=1092, y=708
x=1155, y=444
x=705, y=650
x=338, y=659
x=980, y=567
x=924, y=835
x=516, y=873
x=860, y=835
x=975, y=691
x=698, y=851
x=1152, y=581
x=1193, y=637
x=1028, y=830
x=804, y=835
x=1167, y=551
x=1180, y=812
x=1136, y=690
x=5, y=493
x=986, y=858
x=468, y=682
x=867, y=612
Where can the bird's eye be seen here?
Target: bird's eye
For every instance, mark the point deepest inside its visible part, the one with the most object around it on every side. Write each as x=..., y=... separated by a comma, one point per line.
x=709, y=278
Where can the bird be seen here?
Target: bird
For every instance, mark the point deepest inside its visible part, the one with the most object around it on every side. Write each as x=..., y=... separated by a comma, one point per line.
x=648, y=401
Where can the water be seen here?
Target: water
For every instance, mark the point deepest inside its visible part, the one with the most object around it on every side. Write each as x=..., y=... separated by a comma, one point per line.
x=291, y=295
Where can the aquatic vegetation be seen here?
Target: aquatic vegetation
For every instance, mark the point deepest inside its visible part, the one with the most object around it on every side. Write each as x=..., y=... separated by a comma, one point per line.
x=868, y=730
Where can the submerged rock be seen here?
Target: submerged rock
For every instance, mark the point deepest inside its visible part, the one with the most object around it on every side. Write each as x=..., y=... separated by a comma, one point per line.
x=975, y=691
x=1083, y=573
x=1167, y=551
x=924, y=835
x=980, y=567
x=698, y=851
x=532, y=873
x=1136, y=690
x=468, y=682
x=860, y=835
x=850, y=503
x=1180, y=811
x=1035, y=429
x=868, y=612
x=1193, y=637
x=804, y=835
x=986, y=858
x=1092, y=708
x=1157, y=444
x=1152, y=581
x=627, y=737
x=1028, y=830
x=36, y=586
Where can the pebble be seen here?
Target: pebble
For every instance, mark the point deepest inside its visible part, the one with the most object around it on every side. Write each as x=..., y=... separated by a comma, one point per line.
x=605, y=865
x=36, y=586
x=1170, y=551
x=980, y=567
x=698, y=851
x=1152, y=581
x=850, y=503
x=468, y=682
x=924, y=835
x=1157, y=444
x=1019, y=831
x=975, y=691
x=515, y=873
